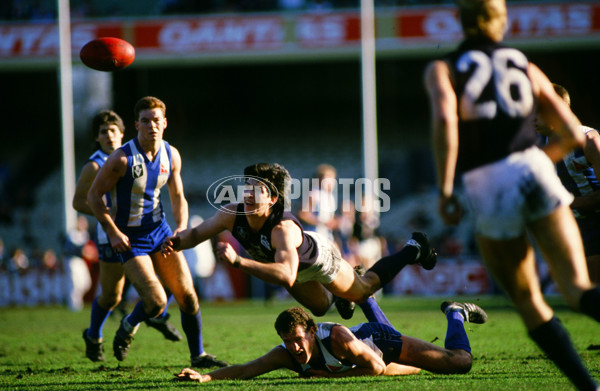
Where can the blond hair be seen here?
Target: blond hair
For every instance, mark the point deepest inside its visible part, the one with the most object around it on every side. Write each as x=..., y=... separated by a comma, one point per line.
x=483, y=18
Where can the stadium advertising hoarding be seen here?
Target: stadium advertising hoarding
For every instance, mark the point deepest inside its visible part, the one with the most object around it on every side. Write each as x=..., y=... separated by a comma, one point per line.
x=324, y=35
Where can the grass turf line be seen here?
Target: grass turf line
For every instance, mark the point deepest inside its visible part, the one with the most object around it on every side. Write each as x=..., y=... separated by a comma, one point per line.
x=41, y=349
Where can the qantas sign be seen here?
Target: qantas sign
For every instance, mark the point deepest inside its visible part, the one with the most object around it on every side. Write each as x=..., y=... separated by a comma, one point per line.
x=524, y=22
x=285, y=33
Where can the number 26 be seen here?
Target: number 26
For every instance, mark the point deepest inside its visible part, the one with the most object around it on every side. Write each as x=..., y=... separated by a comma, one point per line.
x=505, y=79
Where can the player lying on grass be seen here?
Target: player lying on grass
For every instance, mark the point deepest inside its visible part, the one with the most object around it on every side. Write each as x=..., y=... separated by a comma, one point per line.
x=307, y=264
x=368, y=349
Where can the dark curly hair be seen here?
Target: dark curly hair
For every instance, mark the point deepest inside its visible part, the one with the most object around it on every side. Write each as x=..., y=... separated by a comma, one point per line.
x=291, y=318
x=277, y=178
x=107, y=117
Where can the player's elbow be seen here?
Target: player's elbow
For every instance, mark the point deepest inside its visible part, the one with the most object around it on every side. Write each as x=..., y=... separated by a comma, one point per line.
x=77, y=204
x=288, y=281
x=378, y=369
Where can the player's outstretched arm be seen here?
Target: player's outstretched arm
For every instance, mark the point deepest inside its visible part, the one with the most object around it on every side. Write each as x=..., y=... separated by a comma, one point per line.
x=277, y=358
x=188, y=238
x=394, y=369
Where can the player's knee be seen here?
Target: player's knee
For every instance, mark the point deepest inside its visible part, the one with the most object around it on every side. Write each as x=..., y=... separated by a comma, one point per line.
x=109, y=300
x=155, y=306
x=463, y=363
x=189, y=303
x=319, y=310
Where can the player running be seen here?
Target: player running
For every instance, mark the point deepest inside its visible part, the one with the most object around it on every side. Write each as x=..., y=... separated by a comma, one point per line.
x=108, y=130
x=136, y=226
x=484, y=96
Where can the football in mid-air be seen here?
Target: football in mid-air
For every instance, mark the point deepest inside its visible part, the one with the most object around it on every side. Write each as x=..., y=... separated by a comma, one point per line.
x=107, y=54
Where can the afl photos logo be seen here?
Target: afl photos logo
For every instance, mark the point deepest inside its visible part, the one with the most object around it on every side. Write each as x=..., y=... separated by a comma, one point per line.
x=236, y=189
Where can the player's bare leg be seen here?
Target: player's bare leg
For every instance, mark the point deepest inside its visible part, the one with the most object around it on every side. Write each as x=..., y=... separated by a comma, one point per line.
x=175, y=273
x=312, y=295
x=112, y=280
x=559, y=241
x=141, y=273
x=513, y=264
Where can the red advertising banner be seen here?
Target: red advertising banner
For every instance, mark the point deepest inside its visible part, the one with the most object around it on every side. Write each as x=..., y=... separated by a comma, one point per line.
x=525, y=21
x=250, y=36
x=198, y=34
x=41, y=39
x=322, y=30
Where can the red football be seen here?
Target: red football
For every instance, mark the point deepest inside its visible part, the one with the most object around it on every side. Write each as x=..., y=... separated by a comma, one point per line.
x=107, y=54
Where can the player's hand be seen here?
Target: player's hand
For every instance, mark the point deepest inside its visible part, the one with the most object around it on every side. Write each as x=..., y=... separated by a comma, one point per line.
x=190, y=375
x=450, y=209
x=170, y=245
x=225, y=252
x=119, y=242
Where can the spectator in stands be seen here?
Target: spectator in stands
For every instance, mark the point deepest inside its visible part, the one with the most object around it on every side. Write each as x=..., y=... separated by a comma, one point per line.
x=79, y=279
x=319, y=215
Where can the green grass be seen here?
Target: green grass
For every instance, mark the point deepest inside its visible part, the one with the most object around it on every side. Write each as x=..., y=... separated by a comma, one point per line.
x=41, y=349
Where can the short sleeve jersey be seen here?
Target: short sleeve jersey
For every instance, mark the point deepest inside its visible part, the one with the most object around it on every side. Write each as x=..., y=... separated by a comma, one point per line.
x=137, y=193
x=495, y=102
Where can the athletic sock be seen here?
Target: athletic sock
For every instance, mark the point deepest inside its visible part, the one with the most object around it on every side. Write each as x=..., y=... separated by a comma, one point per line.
x=373, y=312
x=97, y=319
x=456, y=336
x=589, y=304
x=554, y=340
x=388, y=267
x=137, y=316
x=192, y=327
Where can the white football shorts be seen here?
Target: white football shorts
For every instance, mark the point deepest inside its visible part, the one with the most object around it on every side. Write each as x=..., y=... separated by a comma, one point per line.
x=507, y=195
x=327, y=266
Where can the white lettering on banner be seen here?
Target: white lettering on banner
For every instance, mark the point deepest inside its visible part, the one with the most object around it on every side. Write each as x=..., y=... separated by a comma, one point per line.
x=553, y=20
x=442, y=25
x=321, y=30
x=221, y=34
x=40, y=39
x=526, y=21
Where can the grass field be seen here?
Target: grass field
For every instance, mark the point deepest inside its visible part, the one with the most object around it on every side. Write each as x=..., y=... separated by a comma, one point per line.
x=42, y=349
